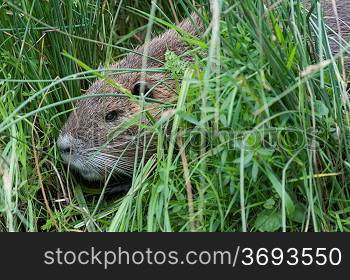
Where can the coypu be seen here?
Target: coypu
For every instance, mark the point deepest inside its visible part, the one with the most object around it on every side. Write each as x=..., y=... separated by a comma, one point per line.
x=85, y=141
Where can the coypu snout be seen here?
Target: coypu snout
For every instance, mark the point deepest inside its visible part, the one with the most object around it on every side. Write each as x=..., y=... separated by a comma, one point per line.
x=72, y=151
x=101, y=137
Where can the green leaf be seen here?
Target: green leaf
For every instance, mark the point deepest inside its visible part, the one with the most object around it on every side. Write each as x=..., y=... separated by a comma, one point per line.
x=248, y=156
x=276, y=184
x=321, y=108
x=255, y=171
x=268, y=221
x=270, y=203
x=299, y=213
x=291, y=57
x=188, y=117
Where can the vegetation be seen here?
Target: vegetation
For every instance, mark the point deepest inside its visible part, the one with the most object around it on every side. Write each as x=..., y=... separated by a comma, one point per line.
x=260, y=131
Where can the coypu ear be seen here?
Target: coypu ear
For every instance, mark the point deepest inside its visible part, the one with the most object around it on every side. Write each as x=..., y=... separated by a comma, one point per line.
x=172, y=40
x=112, y=116
x=141, y=87
x=192, y=25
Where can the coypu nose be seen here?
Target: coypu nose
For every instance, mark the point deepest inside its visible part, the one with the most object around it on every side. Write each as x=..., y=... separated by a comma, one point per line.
x=64, y=144
x=65, y=150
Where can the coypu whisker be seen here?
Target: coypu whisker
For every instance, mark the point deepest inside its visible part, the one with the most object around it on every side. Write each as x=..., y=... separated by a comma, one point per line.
x=118, y=164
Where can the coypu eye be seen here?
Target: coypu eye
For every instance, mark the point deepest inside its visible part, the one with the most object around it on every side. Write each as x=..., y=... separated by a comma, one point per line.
x=111, y=116
x=137, y=89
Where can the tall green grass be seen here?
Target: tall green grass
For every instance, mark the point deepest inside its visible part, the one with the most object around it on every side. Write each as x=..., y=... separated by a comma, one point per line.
x=260, y=132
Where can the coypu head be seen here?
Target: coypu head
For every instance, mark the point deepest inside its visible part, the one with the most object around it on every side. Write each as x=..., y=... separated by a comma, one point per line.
x=98, y=138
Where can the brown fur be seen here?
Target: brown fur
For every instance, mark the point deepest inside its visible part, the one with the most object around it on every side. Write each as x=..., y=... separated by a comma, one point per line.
x=86, y=134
